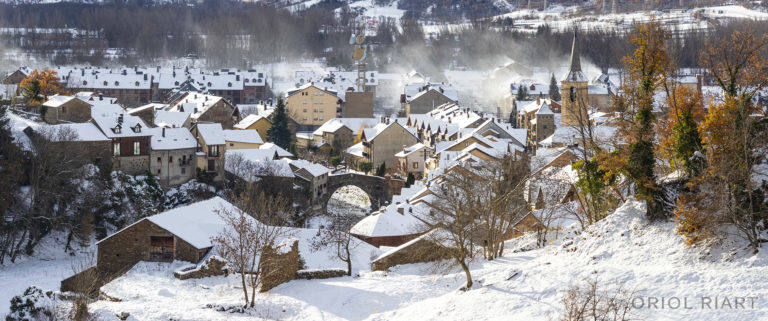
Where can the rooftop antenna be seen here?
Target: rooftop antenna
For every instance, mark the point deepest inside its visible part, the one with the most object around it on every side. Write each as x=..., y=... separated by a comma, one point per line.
x=359, y=55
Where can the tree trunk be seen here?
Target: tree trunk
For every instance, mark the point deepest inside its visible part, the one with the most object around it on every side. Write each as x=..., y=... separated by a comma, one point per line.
x=245, y=288
x=466, y=272
x=349, y=258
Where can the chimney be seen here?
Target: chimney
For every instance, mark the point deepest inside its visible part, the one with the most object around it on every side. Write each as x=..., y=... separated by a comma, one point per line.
x=82, y=72
x=101, y=96
x=163, y=131
x=145, y=77
x=237, y=77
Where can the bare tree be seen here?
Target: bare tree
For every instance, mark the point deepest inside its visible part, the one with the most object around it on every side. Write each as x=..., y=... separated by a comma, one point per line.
x=253, y=226
x=337, y=236
x=589, y=302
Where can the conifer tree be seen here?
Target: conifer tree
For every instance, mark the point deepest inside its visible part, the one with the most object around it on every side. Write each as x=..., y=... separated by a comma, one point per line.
x=279, y=132
x=554, y=89
x=522, y=92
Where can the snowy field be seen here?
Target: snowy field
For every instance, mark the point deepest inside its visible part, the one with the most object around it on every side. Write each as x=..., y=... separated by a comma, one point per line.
x=650, y=259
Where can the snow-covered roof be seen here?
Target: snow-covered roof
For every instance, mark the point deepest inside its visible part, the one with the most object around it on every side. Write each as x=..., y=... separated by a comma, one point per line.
x=196, y=223
x=86, y=132
x=314, y=169
x=212, y=133
x=195, y=103
x=250, y=164
x=56, y=101
x=413, y=91
x=387, y=222
x=250, y=136
x=164, y=118
x=172, y=138
x=249, y=120
x=108, y=119
x=410, y=150
x=356, y=149
x=280, y=151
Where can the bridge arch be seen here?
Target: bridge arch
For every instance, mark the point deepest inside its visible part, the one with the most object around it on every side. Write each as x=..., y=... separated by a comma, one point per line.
x=379, y=190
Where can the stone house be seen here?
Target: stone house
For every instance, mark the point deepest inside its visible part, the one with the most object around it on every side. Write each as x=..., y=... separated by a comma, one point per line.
x=411, y=159
x=311, y=106
x=147, y=112
x=85, y=138
x=543, y=124
x=211, y=149
x=130, y=139
x=426, y=100
x=316, y=177
x=60, y=108
x=130, y=86
x=183, y=233
x=242, y=139
x=206, y=108
x=15, y=77
x=383, y=141
x=172, y=158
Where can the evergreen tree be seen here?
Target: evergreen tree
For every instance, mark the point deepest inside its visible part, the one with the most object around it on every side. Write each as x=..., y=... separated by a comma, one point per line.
x=522, y=92
x=554, y=90
x=410, y=180
x=382, y=169
x=279, y=132
x=365, y=167
x=512, y=119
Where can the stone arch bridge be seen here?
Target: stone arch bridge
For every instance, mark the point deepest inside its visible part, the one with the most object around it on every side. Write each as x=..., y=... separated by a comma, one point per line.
x=379, y=190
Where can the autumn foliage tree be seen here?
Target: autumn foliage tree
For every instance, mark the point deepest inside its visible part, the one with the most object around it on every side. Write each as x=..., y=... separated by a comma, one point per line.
x=735, y=136
x=647, y=67
x=681, y=142
x=39, y=85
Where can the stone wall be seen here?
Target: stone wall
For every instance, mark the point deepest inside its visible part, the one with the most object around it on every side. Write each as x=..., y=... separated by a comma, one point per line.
x=212, y=266
x=133, y=164
x=421, y=250
x=278, y=268
x=320, y=274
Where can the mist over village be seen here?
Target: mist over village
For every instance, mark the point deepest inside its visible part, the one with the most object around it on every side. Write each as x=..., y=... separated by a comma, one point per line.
x=383, y=160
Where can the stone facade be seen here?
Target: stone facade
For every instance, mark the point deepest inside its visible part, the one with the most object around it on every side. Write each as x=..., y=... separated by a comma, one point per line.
x=74, y=110
x=575, y=98
x=320, y=274
x=383, y=147
x=124, y=249
x=278, y=268
x=173, y=167
x=221, y=112
x=418, y=251
x=426, y=102
x=212, y=266
x=358, y=105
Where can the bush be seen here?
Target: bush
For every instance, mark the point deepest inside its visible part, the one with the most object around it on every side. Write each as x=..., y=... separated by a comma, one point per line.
x=335, y=161
x=588, y=302
x=34, y=304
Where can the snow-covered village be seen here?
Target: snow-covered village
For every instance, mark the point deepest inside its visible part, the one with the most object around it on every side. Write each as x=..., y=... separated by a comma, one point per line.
x=383, y=160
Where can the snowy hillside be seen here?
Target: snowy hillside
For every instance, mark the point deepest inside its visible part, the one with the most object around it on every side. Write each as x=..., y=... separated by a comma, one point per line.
x=623, y=249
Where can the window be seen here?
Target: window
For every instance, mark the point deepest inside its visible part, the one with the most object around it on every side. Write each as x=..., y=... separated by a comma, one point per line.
x=183, y=159
x=137, y=84
x=85, y=82
x=159, y=160
x=105, y=83
x=305, y=110
x=572, y=95
x=117, y=83
x=211, y=165
x=158, y=171
x=213, y=151
x=170, y=159
x=136, y=148
x=415, y=165
x=183, y=170
x=63, y=109
x=231, y=144
x=116, y=149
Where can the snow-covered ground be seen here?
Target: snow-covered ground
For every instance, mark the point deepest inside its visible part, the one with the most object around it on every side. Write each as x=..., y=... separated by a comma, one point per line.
x=46, y=268
x=624, y=248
